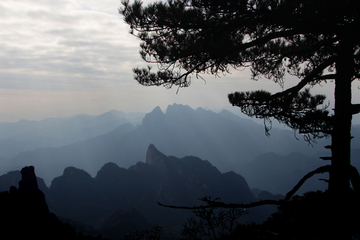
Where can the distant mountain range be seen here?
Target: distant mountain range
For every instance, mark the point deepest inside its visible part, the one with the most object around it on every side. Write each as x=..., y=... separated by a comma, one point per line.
x=55, y=132
x=224, y=139
x=226, y=156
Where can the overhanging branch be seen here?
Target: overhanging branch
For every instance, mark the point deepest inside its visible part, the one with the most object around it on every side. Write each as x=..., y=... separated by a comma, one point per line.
x=215, y=204
x=354, y=176
x=322, y=169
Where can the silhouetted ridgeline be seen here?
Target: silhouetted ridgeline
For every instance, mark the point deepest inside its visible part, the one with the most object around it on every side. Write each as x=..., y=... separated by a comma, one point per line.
x=120, y=200
x=168, y=180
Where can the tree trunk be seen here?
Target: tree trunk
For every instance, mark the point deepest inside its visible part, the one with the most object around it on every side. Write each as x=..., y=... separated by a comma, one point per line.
x=341, y=136
x=339, y=182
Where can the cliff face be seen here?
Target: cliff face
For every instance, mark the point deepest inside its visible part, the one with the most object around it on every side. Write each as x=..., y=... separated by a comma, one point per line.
x=154, y=157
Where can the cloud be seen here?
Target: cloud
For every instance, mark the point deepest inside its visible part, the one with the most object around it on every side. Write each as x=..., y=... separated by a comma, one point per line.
x=64, y=39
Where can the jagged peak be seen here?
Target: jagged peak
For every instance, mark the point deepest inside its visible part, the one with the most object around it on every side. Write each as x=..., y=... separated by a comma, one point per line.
x=157, y=110
x=28, y=182
x=153, y=155
x=178, y=107
x=153, y=117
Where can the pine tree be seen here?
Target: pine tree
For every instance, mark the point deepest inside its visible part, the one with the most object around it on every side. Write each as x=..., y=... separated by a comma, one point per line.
x=316, y=41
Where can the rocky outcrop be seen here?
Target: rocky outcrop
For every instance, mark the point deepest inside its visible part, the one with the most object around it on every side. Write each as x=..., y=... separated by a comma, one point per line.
x=13, y=178
x=33, y=198
x=25, y=213
x=154, y=156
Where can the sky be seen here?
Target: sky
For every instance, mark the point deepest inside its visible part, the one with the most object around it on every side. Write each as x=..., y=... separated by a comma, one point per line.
x=65, y=57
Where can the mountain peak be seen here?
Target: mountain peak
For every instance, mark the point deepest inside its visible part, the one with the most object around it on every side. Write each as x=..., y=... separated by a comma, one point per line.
x=154, y=156
x=153, y=118
x=157, y=110
x=178, y=109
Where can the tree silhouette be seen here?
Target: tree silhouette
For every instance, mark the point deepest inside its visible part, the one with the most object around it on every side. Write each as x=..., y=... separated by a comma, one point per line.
x=315, y=41
x=149, y=234
x=211, y=223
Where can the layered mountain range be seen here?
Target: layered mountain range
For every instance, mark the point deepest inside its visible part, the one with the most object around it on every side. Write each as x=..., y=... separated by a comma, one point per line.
x=28, y=135
x=224, y=139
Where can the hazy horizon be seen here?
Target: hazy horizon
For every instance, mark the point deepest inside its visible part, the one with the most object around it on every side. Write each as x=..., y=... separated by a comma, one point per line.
x=12, y=118
x=71, y=57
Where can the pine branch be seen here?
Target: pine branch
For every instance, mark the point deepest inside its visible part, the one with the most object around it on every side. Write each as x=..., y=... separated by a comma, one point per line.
x=309, y=78
x=328, y=77
x=267, y=38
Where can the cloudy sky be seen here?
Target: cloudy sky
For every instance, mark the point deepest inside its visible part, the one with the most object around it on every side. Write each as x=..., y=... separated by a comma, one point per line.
x=63, y=57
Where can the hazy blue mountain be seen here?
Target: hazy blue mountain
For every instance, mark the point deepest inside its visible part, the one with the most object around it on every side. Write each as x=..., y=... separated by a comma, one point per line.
x=55, y=132
x=135, y=118
x=221, y=138
x=279, y=174
x=90, y=155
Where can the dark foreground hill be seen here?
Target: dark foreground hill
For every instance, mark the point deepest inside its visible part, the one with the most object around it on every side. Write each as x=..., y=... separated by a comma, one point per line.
x=166, y=179
x=119, y=200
